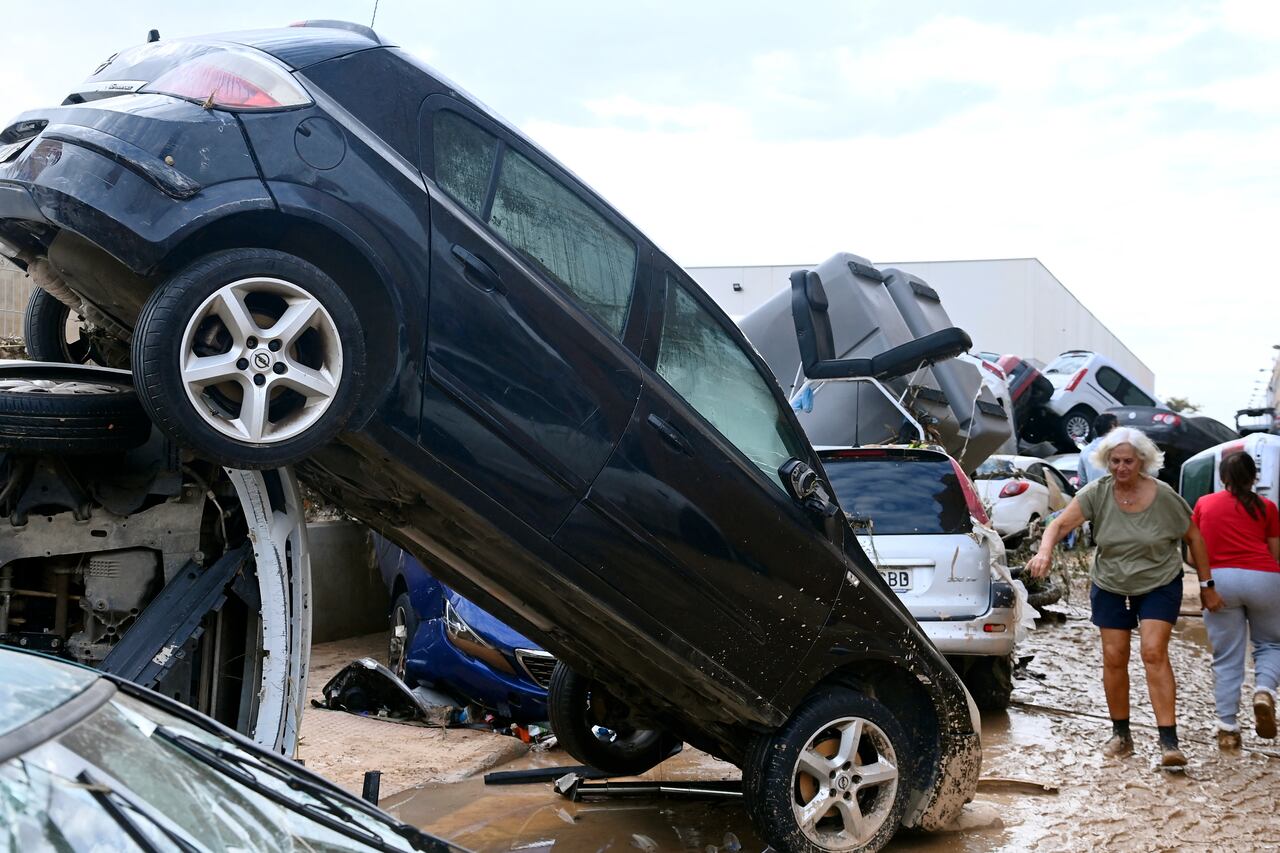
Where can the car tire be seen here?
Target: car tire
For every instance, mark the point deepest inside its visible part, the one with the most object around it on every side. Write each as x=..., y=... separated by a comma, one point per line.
x=233, y=390
x=402, y=616
x=1076, y=429
x=990, y=682
x=575, y=714
x=785, y=775
x=44, y=331
x=76, y=410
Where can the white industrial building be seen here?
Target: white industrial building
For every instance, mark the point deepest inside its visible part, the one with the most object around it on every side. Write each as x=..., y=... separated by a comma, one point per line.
x=1012, y=305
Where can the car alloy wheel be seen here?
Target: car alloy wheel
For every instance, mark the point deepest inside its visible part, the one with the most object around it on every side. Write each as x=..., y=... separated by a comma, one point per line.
x=846, y=781
x=253, y=358
x=592, y=726
x=1077, y=428
x=834, y=777
x=261, y=360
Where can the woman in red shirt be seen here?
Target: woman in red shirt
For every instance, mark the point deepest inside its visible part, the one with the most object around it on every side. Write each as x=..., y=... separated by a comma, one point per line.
x=1242, y=534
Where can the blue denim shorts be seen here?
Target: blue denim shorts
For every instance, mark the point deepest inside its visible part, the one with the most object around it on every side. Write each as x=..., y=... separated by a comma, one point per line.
x=1112, y=610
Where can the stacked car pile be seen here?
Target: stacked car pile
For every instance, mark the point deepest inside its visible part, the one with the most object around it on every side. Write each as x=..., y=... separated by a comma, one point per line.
x=316, y=251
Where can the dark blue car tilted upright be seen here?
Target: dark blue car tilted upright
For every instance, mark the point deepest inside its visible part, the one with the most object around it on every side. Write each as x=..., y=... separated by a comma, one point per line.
x=314, y=250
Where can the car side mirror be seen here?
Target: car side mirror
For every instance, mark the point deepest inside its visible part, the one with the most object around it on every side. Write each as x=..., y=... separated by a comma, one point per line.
x=804, y=486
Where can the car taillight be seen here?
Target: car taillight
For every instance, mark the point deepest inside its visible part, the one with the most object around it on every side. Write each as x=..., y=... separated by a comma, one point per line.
x=1013, y=488
x=1162, y=418
x=233, y=80
x=1075, y=380
x=971, y=499
x=989, y=366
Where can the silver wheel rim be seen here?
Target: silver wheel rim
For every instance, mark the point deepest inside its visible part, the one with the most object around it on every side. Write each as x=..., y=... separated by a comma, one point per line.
x=844, y=784
x=1078, y=429
x=261, y=360
x=53, y=386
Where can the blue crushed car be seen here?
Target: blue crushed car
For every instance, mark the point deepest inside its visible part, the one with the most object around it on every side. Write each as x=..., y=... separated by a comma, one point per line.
x=440, y=639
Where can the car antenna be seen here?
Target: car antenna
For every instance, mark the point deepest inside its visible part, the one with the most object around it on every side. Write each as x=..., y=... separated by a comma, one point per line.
x=375, y=13
x=153, y=36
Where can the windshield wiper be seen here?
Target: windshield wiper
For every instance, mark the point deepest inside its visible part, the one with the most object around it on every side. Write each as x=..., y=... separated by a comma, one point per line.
x=331, y=814
x=106, y=796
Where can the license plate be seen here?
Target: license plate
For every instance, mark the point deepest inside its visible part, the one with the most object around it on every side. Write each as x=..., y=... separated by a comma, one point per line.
x=899, y=580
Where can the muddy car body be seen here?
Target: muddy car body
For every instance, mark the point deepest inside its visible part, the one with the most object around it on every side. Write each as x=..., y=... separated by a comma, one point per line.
x=526, y=393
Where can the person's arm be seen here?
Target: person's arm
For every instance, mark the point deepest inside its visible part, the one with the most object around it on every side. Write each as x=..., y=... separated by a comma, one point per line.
x=1071, y=518
x=1209, y=598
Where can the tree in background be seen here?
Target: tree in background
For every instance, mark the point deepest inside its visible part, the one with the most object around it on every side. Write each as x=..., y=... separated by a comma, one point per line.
x=1181, y=404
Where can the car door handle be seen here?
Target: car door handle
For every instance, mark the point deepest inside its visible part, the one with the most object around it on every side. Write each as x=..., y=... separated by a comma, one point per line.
x=481, y=274
x=670, y=435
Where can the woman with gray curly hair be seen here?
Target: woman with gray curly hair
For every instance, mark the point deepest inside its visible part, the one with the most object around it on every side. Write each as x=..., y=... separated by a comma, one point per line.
x=1138, y=523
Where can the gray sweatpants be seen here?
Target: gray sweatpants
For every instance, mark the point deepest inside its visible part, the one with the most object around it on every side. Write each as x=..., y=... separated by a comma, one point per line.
x=1252, y=600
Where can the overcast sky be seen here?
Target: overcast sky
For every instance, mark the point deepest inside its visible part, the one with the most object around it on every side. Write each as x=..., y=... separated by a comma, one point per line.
x=1136, y=153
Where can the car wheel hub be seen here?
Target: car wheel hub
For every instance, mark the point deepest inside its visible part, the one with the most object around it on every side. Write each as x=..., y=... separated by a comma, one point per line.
x=845, y=782
x=261, y=360
x=1078, y=428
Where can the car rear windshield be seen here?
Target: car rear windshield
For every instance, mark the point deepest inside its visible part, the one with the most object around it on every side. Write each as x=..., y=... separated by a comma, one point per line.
x=1065, y=366
x=900, y=494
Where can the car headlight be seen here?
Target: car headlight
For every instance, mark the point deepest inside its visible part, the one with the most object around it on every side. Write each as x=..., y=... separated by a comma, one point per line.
x=466, y=640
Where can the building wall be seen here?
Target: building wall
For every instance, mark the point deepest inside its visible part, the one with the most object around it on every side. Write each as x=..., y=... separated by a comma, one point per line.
x=1007, y=306
x=15, y=290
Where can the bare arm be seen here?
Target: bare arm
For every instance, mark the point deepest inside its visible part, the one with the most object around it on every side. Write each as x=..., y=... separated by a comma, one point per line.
x=1071, y=518
x=1200, y=558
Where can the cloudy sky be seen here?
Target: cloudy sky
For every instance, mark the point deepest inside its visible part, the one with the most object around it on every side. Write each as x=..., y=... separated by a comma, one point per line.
x=1134, y=152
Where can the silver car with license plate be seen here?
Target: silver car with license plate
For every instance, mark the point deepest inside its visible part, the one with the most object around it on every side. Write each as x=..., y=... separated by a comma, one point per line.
x=919, y=519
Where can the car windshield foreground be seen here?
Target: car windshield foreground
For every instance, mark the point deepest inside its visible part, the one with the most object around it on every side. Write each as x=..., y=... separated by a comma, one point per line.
x=344, y=262
x=90, y=762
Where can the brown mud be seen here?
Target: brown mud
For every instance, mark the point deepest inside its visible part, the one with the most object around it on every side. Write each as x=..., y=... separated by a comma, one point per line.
x=1046, y=786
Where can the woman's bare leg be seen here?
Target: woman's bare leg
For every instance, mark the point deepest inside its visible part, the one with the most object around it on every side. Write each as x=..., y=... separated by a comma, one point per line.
x=1115, y=671
x=1155, y=657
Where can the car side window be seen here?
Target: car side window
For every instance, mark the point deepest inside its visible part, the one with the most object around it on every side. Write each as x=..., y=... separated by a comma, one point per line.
x=1132, y=395
x=710, y=371
x=572, y=244
x=464, y=156
x=1036, y=474
x=1110, y=381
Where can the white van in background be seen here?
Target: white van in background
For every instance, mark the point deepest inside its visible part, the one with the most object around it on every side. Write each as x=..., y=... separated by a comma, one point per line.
x=1085, y=384
x=1200, y=473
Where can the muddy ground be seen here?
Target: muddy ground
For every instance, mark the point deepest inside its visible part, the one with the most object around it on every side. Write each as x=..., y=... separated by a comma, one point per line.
x=1050, y=738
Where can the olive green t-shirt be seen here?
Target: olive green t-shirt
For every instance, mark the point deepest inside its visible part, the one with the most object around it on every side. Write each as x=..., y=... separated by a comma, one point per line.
x=1137, y=551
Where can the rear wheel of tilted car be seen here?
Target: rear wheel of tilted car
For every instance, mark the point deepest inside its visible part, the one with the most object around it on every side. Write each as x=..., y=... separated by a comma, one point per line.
x=590, y=724
x=251, y=357
x=833, y=778
x=48, y=333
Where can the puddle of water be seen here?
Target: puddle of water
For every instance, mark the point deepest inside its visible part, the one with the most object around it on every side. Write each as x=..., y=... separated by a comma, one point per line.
x=489, y=818
x=533, y=817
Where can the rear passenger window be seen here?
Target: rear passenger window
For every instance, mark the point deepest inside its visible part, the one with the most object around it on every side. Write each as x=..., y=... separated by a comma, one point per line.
x=464, y=157
x=574, y=245
x=1132, y=395
x=1110, y=381
x=539, y=216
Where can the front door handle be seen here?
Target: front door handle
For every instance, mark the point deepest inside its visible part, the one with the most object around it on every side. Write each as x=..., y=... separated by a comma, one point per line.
x=670, y=435
x=477, y=271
